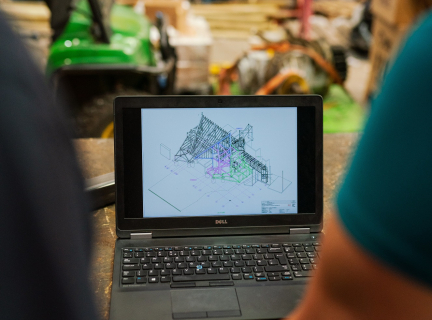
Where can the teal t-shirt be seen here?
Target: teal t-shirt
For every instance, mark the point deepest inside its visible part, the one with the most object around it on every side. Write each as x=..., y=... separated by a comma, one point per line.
x=385, y=202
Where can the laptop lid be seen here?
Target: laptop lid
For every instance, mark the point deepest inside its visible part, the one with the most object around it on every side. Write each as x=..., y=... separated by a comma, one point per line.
x=218, y=165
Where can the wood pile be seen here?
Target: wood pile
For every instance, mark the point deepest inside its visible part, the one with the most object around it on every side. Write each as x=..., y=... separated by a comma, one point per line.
x=28, y=16
x=237, y=20
x=334, y=9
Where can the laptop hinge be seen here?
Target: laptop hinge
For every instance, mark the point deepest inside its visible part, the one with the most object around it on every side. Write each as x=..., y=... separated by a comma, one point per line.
x=299, y=230
x=147, y=235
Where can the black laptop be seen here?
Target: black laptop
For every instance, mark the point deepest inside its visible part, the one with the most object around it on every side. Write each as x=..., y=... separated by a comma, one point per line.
x=219, y=205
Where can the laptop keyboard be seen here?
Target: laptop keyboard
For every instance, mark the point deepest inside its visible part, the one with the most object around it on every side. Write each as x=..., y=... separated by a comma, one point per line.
x=181, y=266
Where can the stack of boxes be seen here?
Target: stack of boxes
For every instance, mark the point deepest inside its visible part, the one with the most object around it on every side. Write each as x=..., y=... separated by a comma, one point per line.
x=392, y=19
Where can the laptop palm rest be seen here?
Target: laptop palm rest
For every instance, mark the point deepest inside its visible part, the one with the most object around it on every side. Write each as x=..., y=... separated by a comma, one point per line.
x=204, y=303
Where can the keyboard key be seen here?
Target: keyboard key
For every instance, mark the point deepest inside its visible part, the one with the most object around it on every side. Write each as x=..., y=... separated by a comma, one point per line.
x=165, y=272
x=273, y=274
x=131, y=267
x=223, y=270
x=235, y=270
x=265, y=246
x=275, y=245
x=309, y=249
x=275, y=250
x=306, y=267
x=128, y=273
x=153, y=279
x=127, y=250
x=276, y=268
x=188, y=271
x=301, y=255
x=204, y=277
x=177, y=272
x=239, y=264
x=141, y=280
x=302, y=274
x=141, y=273
x=258, y=269
x=128, y=280
x=236, y=276
x=159, y=266
x=248, y=276
x=153, y=273
x=165, y=279
x=295, y=267
x=261, y=262
x=261, y=279
x=200, y=271
x=250, y=263
x=131, y=261
x=139, y=254
x=211, y=270
x=274, y=278
x=246, y=269
x=286, y=273
x=127, y=255
x=228, y=264
x=287, y=278
x=304, y=261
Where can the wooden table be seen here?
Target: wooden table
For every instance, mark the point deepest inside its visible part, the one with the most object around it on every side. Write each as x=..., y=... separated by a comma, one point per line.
x=96, y=157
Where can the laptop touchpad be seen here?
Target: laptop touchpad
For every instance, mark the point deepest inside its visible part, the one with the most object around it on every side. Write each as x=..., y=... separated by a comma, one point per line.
x=205, y=303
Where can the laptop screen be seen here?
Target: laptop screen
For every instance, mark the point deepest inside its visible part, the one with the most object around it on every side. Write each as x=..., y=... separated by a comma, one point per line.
x=219, y=161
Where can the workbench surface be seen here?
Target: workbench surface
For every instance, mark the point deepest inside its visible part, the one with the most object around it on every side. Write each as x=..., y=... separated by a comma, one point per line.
x=96, y=157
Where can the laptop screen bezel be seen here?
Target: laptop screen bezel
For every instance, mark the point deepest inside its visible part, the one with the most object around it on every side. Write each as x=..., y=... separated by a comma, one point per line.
x=253, y=223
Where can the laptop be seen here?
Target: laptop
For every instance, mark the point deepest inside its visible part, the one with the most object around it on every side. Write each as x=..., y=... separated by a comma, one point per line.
x=219, y=205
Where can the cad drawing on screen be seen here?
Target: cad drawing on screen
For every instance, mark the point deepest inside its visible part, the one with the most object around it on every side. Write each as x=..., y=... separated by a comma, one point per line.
x=220, y=167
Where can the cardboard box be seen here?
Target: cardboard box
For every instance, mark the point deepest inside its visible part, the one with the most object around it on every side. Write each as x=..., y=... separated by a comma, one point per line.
x=175, y=10
x=396, y=12
x=387, y=40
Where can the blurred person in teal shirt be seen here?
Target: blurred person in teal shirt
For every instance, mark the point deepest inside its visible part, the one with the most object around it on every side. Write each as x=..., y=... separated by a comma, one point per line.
x=376, y=261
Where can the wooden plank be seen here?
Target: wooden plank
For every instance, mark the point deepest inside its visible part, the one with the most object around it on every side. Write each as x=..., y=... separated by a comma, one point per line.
x=26, y=11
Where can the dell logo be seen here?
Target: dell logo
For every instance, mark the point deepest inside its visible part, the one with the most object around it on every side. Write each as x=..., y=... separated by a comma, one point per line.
x=221, y=222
